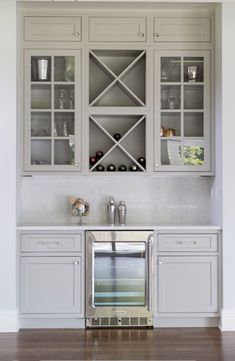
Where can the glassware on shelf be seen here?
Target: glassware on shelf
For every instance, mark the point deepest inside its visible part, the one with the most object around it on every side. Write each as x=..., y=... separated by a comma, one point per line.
x=61, y=93
x=71, y=99
x=163, y=75
x=171, y=102
x=69, y=69
x=192, y=73
x=40, y=69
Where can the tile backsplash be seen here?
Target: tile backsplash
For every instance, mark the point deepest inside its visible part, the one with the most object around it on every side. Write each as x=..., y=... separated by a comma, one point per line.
x=163, y=200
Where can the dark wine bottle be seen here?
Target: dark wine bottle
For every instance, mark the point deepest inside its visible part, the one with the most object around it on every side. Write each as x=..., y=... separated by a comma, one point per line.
x=117, y=136
x=141, y=161
x=92, y=160
x=111, y=168
x=133, y=168
x=122, y=168
x=99, y=168
x=99, y=154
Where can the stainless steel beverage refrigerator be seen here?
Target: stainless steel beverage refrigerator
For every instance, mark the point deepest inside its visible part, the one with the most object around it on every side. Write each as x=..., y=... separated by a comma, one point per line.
x=119, y=278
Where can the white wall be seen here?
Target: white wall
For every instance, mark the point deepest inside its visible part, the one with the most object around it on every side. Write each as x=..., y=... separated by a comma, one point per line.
x=8, y=317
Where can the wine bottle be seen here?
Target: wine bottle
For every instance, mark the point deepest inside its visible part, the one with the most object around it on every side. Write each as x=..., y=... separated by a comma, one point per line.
x=92, y=160
x=117, y=136
x=111, y=168
x=122, y=168
x=99, y=154
x=133, y=168
x=141, y=161
x=99, y=168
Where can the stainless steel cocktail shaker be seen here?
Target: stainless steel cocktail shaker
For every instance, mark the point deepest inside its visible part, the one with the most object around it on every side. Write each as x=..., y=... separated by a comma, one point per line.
x=111, y=210
x=122, y=213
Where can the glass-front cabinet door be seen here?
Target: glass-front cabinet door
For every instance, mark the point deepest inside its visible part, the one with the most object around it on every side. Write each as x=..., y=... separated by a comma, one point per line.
x=182, y=111
x=52, y=111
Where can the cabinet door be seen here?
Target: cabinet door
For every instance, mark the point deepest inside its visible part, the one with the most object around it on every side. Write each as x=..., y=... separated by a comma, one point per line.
x=51, y=285
x=52, y=111
x=52, y=28
x=181, y=29
x=117, y=29
x=188, y=284
x=182, y=111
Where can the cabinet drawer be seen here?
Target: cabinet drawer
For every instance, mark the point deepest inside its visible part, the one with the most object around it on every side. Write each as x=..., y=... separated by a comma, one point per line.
x=117, y=29
x=187, y=242
x=51, y=242
x=182, y=29
x=52, y=28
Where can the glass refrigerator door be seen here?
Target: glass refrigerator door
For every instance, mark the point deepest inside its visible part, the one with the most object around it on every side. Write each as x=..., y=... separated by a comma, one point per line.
x=119, y=274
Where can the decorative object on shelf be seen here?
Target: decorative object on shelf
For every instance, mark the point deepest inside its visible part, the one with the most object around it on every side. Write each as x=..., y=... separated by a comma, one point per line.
x=100, y=168
x=117, y=136
x=40, y=69
x=61, y=93
x=111, y=210
x=65, y=128
x=141, y=161
x=111, y=168
x=167, y=132
x=69, y=69
x=122, y=168
x=192, y=73
x=163, y=75
x=92, y=160
x=79, y=208
x=133, y=168
x=171, y=102
x=71, y=99
x=99, y=154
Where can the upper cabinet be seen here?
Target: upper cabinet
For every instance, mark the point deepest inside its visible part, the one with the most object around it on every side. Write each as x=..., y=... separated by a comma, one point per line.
x=52, y=110
x=182, y=111
x=117, y=29
x=117, y=94
x=182, y=29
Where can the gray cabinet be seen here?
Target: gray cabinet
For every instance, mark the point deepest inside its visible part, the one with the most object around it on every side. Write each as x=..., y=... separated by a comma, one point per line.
x=51, y=285
x=188, y=284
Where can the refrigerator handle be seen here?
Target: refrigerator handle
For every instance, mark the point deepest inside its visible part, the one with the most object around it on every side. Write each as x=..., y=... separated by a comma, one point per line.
x=150, y=242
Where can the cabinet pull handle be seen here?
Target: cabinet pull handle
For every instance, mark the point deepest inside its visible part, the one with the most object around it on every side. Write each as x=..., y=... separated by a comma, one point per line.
x=156, y=165
x=76, y=262
x=141, y=35
x=77, y=165
x=76, y=34
x=156, y=35
x=179, y=242
x=195, y=243
x=160, y=262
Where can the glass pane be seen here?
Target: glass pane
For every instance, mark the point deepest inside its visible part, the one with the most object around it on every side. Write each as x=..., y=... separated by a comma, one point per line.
x=193, y=96
x=170, y=152
x=41, y=152
x=64, y=97
x=40, y=96
x=119, y=274
x=170, y=124
x=40, y=124
x=194, y=153
x=64, y=124
x=170, y=97
x=170, y=69
x=64, y=152
x=193, y=124
x=193, y=69
x=64, y=68
x=40, y=68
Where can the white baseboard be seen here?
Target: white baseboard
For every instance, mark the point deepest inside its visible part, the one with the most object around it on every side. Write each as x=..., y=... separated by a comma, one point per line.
x=52, y=323
x=8, y=321
x=160, y=322
x=227, y=321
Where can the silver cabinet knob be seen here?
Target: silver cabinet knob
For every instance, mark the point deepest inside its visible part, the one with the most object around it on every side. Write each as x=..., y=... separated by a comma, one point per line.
x=77, y=165
x=76, y=262
x=156, y=35
x=160, y=262
x=141, y=35
x=76, y=34
x=156, y=165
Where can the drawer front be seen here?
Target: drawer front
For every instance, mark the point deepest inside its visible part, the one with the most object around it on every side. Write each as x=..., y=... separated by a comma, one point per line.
x=182, y=29
x=187, y=242
x=51, y=243
x=117, y=29
x=56, y=28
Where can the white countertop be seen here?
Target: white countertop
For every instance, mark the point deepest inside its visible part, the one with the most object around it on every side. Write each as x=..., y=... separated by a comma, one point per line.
x=93, y=226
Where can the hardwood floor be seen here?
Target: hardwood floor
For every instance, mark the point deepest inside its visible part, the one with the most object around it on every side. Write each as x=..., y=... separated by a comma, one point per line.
x=203, y=344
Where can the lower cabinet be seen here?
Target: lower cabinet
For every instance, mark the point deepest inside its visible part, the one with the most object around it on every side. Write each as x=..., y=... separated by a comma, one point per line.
x=51, y=285
x=188, y=284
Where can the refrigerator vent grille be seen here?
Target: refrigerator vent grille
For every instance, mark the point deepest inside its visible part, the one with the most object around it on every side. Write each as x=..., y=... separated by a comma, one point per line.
x=119, y=322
